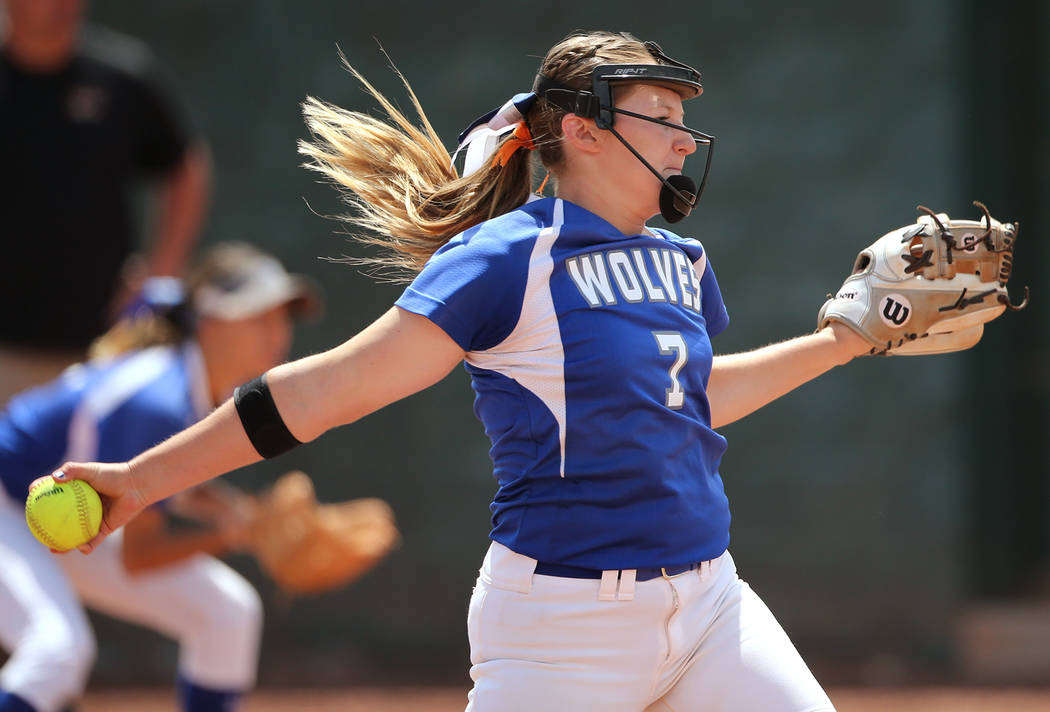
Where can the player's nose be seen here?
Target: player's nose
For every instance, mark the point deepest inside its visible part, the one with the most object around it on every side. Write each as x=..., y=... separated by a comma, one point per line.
x=684, y=144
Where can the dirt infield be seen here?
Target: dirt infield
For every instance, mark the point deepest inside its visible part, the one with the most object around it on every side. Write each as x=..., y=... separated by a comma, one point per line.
x=418, y=699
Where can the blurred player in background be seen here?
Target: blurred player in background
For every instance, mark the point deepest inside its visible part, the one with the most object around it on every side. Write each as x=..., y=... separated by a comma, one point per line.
x=587, y=334
x=156, y=371
x=84, y=120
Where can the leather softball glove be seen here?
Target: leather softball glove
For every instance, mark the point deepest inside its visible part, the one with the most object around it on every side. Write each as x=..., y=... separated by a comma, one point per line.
x=306, y=547
x=929, y=287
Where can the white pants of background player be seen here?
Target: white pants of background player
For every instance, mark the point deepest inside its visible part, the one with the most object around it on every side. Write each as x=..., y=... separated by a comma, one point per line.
x=208, y=608
x=699, y=641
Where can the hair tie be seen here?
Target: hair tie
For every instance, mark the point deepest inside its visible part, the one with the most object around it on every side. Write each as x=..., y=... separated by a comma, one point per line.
x=163, y=298
x=479, y=141
x=521, y=137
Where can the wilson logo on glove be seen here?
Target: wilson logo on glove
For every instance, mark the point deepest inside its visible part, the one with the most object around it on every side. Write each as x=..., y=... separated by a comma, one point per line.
x=895, y=310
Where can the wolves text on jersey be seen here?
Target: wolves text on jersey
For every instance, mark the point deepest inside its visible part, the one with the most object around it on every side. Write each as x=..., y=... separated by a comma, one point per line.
x=632, y=271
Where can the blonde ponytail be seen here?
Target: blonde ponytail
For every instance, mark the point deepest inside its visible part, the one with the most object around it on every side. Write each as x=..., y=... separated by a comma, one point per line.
x=398, y=177
x=133, y=334
x=407, y=198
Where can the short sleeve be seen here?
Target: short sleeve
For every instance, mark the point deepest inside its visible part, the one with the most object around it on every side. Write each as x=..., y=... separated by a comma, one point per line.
x=473, y=287
x=714, y=309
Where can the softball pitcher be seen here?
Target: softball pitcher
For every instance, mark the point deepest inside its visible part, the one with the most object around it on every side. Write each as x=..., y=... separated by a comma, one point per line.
x=608, y=584
x=155, y=375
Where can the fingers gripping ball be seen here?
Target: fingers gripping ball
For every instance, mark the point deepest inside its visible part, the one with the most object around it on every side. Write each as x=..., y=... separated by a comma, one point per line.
x=63, y=515
x=928, y=287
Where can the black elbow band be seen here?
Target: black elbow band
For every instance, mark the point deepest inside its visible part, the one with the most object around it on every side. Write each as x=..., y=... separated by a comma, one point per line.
x=261, y=420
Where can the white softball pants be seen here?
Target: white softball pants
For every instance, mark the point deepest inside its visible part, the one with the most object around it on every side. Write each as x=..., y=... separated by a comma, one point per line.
x=208, y=608
x=701, y=641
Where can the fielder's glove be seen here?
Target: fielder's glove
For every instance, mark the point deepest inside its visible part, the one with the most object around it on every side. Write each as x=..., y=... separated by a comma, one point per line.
x=929, y=287
x=306, y=547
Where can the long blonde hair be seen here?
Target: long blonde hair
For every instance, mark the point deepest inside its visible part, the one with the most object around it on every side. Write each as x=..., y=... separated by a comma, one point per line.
x=408, y=200
x=133, y=333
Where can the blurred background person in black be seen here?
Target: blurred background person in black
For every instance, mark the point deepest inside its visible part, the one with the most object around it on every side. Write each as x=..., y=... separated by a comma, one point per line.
x=83, y=121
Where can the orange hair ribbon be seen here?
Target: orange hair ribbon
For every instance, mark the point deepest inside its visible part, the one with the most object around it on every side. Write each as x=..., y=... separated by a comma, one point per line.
x=521, y=137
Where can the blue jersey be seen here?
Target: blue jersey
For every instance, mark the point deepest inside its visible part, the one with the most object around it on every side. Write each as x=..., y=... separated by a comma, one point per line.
x=104, y=411
x=589, y=353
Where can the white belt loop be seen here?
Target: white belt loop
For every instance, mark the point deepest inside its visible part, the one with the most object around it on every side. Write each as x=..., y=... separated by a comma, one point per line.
x=705, y=570
x=607, y=591
x=508, y=569
x=627, y=577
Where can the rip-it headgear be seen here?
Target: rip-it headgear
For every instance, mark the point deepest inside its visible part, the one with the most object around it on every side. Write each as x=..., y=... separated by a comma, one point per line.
x=678, y=194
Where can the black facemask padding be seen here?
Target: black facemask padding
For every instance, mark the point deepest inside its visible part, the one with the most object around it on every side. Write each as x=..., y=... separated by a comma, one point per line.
x=677, y=197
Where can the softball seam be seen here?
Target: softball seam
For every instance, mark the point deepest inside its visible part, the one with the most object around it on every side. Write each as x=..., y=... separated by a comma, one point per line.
x=41, y=533
x=82, y=509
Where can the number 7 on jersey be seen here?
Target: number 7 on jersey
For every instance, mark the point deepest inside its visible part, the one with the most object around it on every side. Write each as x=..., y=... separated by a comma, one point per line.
x=671, y=343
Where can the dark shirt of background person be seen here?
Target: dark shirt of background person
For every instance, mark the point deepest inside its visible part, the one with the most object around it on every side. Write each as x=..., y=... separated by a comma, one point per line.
x=84, y=120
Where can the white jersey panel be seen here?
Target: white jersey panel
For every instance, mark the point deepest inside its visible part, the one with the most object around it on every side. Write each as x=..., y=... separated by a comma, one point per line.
x=132, y=377
x=700, y=266
x=109, y=394
x=532, y=354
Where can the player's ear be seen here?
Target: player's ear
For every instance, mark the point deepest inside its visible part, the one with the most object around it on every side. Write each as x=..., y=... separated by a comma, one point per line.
x=580, y=133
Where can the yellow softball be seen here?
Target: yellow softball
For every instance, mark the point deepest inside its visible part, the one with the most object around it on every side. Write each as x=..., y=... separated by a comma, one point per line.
x=63, y=515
